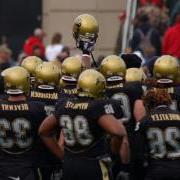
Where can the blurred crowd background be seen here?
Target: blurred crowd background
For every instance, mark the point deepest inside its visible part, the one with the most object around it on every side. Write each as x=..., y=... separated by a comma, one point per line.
x=156, y=29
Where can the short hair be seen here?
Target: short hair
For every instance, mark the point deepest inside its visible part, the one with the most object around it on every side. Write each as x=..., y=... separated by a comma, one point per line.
x=56, y=39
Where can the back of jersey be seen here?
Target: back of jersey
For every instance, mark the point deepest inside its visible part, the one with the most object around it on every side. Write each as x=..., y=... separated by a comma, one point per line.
x=68, y=91
x=49, y=98
x=19, y=123
x=127, y=94
x=162, y=133
x=78, y=119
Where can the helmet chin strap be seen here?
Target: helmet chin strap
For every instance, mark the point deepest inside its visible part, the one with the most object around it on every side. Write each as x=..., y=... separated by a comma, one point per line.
x=95, y=64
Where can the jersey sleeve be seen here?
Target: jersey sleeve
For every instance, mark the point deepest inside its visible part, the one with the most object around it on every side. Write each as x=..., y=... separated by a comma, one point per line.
x=38, y=112
x=117, y=106
x=58, y=107
x=135, y=90
x=101, y=108
x=62, y=94
x=41, y=112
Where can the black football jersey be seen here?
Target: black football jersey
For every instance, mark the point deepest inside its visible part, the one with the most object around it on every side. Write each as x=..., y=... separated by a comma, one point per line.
x=127, y=94
x=160, y=132
x=48, y=97
x=19, y=123
x=68, y=91
x=78, y=119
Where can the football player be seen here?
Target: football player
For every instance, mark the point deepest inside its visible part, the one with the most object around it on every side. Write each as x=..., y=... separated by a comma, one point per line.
x=84, y=121
x=166, y=73
x=160, y=134
x=71, y=68
x=129, y=94
x=19, y=123
x=47, y=77
x=45, y=90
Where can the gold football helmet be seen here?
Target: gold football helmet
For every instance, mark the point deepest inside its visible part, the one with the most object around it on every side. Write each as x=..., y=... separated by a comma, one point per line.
x=135, y=74
x=57, y=63
x=166, y=69
x=85, y=26
x=47, y=75
x=71, y=68
x=113, y=66
x=30, y=63
x=91, y=83
x=16, y=80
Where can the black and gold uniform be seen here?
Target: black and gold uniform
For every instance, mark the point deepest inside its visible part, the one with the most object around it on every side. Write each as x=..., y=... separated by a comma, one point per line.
x=123, y=85
x=85, y=140
x=46, y=82
x=19, y=123
x=160, y=133
x=47, y=162
x=71, y=68
x=69, y=90
x=127, y=94
x=48, y=97
x=166, y=73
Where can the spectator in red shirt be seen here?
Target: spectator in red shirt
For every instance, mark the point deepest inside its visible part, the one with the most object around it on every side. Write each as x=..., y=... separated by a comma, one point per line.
x=152, y=2
x=34, y=42
x=171, y=40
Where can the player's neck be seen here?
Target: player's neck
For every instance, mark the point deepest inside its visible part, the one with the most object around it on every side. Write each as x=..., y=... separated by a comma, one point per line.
x=17, y=98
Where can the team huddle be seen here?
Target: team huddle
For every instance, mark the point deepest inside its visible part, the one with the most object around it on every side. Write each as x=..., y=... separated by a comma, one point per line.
x=73, y=121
